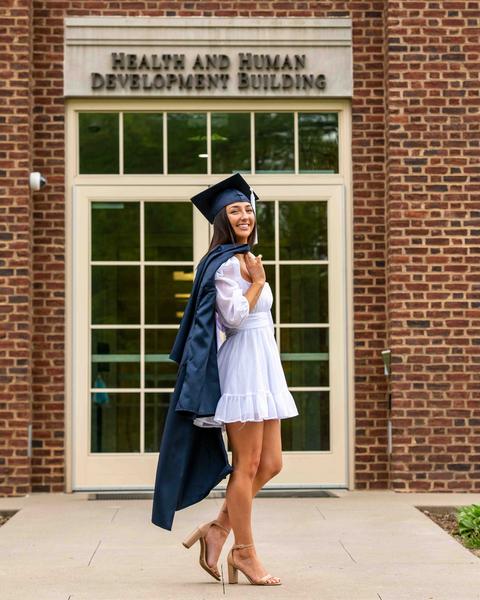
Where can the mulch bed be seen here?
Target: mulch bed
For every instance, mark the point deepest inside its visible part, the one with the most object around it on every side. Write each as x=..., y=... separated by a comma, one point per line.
x=446, y=518
x=4, y=517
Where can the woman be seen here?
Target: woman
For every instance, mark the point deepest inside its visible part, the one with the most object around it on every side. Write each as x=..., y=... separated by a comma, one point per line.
x=254, y=394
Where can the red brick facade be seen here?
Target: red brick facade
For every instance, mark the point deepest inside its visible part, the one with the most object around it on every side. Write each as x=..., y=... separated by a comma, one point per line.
x=416, y=234
x=433, y=249
x=16, y=235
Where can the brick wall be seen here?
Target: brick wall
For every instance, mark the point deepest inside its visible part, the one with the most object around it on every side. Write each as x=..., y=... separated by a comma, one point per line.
x=16, y=328
x=49, y=226
x=415, y=241
x=433, y=228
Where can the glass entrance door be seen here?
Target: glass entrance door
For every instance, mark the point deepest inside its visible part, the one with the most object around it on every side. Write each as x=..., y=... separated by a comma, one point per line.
x=135, y=249
x=301, y=241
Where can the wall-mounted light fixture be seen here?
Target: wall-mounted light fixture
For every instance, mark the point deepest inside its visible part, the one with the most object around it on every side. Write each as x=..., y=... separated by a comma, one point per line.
x=387, y=357
x=37, y=181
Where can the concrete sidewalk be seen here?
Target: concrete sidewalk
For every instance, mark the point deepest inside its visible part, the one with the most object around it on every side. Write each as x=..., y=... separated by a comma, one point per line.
x=358, y=546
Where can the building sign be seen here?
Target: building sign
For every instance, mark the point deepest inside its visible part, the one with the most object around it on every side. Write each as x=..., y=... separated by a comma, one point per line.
x=207, y=72
x=109, y=56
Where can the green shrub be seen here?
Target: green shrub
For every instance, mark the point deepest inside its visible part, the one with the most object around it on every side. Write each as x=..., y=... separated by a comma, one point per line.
x=468, y=518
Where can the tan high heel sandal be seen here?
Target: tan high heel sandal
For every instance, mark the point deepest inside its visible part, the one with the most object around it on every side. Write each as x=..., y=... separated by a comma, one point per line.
x=233, y=570
x=200, y=533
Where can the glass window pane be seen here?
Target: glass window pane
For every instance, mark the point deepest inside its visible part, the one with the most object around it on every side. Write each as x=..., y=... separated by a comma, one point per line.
x=187, y=142
x=168, y=231
x=304, y=293
x=310, y=430
x=143, y=143
x=274, y=142
x=305, y=356
x=115, y=295
x=318, y=142
x=167, y=290
x=115, y=231
x=230, y=142
x=115, y=423
x=99, y=146
x=156, y=409
x=160, y=370
x=303, y=230
x=115, y=358
x=266, y=230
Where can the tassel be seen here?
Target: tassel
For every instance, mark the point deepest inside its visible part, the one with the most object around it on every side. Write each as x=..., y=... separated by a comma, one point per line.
x=252, y=202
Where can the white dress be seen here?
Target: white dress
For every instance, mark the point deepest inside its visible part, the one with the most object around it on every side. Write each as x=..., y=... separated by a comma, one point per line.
x=252, y=380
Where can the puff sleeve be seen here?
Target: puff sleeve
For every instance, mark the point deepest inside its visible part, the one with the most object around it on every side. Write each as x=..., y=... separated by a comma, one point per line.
x=231, y=304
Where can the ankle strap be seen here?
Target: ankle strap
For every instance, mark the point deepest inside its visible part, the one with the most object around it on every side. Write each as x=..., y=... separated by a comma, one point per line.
x=220, y=525
x=241, y=546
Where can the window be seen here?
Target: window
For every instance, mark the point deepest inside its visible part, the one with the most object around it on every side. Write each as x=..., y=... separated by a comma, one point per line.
x=190, y=143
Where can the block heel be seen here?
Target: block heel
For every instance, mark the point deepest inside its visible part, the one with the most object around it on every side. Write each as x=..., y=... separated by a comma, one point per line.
x=232, y=573
x=233, y=570
x=192, y=538
x=200, y=534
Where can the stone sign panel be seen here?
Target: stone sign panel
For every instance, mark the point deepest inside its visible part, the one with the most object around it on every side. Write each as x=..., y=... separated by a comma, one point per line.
x=207, y=57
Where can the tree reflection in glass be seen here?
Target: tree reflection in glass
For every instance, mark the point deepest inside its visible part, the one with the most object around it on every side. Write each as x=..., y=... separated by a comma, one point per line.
x=142, y=143
x=274, y=142
x=187, y=143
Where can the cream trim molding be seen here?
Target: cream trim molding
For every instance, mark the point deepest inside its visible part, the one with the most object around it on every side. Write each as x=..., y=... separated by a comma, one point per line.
x=208, y=57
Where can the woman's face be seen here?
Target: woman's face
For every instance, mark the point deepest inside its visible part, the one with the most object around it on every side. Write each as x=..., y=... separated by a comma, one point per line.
x=242, y=219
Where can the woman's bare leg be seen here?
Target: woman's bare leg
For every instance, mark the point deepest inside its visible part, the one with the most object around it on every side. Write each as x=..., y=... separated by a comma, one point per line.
x=269, y=464
x=246, y=442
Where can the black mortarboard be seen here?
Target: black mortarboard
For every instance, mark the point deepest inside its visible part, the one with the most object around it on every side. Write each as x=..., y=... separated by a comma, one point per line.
x=229, y=190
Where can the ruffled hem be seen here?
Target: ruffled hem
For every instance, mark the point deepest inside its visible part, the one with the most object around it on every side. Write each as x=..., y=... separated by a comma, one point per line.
x=258, y=406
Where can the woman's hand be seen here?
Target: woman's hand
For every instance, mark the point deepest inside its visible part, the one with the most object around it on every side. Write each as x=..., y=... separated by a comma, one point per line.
x=255, y=267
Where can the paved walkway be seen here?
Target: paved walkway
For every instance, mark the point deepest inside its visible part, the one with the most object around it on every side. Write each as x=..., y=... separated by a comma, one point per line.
x=358, y=546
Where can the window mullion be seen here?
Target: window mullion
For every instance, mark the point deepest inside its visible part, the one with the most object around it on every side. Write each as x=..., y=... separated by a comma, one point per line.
x=295, y=143
x=252, y=142
x=120, y=142
x=209, y=143
x=142, y=326
x=165, y=144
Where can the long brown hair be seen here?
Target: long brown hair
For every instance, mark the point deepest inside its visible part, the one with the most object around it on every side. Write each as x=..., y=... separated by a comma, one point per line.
x=223, y=231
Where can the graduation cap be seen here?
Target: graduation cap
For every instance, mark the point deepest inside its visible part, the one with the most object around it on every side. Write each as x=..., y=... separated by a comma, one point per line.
x=232, y=189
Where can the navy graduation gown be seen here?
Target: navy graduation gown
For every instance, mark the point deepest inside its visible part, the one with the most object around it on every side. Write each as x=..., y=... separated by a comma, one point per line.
x=193, y=460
